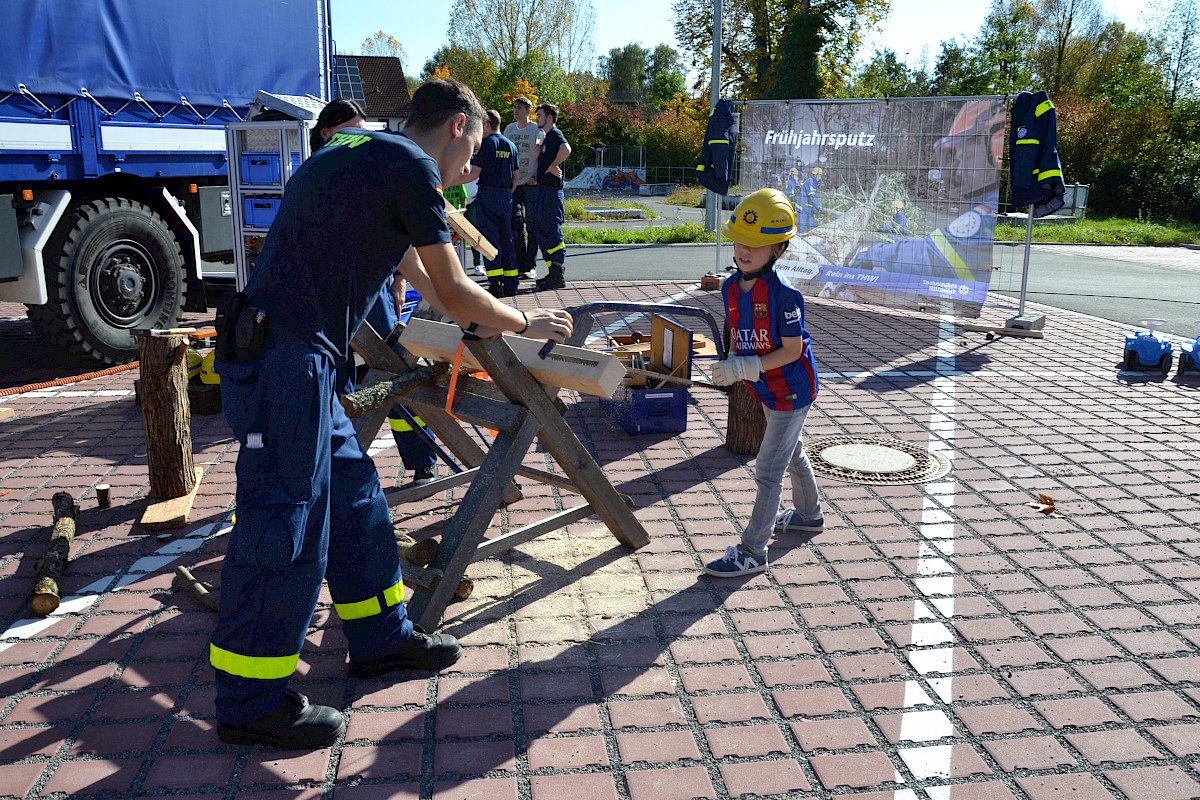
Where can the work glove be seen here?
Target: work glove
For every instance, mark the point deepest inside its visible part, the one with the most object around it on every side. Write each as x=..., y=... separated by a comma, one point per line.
x=736, y=368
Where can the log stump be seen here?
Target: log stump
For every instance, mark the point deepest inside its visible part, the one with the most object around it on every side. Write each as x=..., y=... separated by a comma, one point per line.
x=168, y=418
x=746, y=424
x=58, y=551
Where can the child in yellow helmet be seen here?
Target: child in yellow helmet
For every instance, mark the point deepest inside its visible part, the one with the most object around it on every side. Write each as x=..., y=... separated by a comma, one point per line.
x=770, y=350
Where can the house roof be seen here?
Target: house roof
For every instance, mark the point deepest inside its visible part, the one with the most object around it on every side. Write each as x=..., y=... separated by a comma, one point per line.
x=384, y=87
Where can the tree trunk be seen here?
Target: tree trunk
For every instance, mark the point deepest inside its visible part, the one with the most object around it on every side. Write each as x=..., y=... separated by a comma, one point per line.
x=51, y=565
x=167, y=415
x=747, y=423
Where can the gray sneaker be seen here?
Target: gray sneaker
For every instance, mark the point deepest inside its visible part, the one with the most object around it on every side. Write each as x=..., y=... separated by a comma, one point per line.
x=788, y=522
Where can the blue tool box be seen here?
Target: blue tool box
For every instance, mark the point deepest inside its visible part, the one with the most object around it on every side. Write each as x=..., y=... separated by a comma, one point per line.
x=658, y=407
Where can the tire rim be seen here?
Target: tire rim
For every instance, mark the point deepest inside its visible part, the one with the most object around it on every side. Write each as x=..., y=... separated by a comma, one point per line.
x=124, y=283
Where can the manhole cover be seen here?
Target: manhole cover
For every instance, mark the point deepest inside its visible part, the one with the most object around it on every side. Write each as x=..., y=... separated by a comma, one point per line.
x=864, y=459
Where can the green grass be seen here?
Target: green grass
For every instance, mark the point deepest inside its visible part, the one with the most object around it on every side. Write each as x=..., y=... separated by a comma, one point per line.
x=1106, y=231
x=574, y=209
x=674, y=234
x=686, y=196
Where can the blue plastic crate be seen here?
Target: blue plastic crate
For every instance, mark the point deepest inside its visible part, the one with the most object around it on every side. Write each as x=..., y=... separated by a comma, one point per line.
x=642, y=411
x=262, y=169
x=259, y=212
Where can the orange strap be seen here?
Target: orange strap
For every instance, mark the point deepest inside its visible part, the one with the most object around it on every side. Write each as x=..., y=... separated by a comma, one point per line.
x=455, y=367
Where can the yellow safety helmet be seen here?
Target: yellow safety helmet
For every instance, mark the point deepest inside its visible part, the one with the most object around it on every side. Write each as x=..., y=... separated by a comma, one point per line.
x=818, y=171
x=763, y=217
x=208, y=369
x=897, y=205
x=793, y=171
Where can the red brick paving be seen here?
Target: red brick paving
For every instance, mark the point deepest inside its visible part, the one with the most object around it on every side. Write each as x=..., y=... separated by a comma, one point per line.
x=1000, y=654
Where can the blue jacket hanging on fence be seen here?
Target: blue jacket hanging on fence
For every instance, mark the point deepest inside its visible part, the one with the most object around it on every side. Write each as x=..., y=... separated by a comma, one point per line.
x=1036, y=172
x=716, y=154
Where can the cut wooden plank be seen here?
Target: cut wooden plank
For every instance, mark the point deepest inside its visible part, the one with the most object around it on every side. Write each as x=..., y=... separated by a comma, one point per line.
x=567, y=367
x=172, y=513
x=457, y=220
x=6, y=414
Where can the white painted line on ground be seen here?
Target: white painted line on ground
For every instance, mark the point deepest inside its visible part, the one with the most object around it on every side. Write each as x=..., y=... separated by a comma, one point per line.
x=87, y=596
x=937, y=527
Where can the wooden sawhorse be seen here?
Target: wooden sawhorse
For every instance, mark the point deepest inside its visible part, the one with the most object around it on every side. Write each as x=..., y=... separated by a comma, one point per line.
x=520, y=410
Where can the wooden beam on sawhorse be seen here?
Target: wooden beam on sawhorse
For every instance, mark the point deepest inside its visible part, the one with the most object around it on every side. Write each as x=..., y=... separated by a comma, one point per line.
x=536, y=416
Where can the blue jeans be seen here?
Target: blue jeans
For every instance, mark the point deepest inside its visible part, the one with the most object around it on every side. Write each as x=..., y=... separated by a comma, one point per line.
x=782, y=451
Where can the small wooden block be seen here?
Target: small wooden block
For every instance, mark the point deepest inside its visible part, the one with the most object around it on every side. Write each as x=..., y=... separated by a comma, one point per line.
x=1000, y=330
x=6, y=414
x=171, y=513
x=457, y=220
x=566, y=367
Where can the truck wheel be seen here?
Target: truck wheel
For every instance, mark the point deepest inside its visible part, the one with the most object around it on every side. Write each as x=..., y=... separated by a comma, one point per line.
x=113, y=267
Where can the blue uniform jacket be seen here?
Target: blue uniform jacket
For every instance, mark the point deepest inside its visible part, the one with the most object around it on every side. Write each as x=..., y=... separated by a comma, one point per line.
x=716, y=154
x=1036, y=172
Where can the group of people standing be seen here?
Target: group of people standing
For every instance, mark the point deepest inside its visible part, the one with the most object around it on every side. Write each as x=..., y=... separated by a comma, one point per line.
x=519, y=206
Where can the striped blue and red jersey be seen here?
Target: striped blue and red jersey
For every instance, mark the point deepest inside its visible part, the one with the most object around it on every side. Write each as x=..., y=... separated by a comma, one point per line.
x=759, y=320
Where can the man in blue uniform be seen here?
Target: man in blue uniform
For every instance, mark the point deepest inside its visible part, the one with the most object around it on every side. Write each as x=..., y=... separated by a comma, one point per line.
x=807, y=203
x=549, y=214
x=495, y=167
x=960, y=247
x=309, y=502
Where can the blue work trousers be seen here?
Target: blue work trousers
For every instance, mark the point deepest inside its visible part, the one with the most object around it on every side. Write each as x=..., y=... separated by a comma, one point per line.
x=548, y=221
x=309, y=507
x=493, y=217
x=524, y=241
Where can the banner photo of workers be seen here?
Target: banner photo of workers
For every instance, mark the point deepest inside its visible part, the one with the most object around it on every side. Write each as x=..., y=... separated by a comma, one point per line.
x=895, y=199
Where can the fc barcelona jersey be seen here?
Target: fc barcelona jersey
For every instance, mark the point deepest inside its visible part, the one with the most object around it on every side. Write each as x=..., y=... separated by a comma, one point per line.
x=758, y=321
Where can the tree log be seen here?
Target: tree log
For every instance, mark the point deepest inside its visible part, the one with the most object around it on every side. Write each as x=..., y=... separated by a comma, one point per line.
x=52, y=564
x=746, y=424
x=167, y=415
x=385, y=393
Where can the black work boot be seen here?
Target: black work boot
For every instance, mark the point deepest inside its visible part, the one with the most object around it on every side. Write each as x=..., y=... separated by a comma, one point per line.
x=419, y=652
x=295, y=725
x=425, y=475
x=555, y=280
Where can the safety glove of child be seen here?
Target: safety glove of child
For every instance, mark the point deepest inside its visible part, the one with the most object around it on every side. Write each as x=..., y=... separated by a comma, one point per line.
x=736, y=368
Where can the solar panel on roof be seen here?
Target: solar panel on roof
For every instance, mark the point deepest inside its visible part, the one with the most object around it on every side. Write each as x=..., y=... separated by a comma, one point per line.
x=347, y=82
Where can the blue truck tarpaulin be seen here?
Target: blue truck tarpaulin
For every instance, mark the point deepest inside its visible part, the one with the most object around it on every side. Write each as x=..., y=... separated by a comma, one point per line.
x=208, y=51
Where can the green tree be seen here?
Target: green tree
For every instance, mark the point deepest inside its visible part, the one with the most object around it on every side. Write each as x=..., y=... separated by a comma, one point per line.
x=1068, y=34
x=753, y=34
x=541, y=70
x=664, y=77
x=1176, y=24
x=513, y=29
x=383, y=44
x=997, y=61
x=472, y=67
x=625, y=70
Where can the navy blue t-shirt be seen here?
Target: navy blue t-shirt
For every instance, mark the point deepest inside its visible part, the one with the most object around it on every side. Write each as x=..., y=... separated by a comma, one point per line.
x=497, y=159
x=349, y=215
x=554, y=140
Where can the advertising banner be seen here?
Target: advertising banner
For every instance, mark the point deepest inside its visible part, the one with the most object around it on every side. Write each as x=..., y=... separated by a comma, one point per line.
x=895, y=199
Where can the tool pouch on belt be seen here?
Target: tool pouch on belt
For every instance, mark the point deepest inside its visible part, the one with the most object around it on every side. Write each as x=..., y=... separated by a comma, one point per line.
x=241, y=328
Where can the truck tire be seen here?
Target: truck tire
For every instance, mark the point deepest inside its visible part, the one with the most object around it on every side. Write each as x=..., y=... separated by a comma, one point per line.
x=113, y=266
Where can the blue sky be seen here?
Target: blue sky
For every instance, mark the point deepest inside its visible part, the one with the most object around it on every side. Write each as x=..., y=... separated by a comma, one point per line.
x=912, y=25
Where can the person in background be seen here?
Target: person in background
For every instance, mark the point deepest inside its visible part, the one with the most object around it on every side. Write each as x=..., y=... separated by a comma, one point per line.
x=771, y=350
x=495, y=169
x=808, y=203
x=549, y=214
x=526, y=135
x=337, y=114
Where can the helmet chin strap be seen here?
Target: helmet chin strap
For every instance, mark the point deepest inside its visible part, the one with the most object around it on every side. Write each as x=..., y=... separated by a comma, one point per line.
x=749, y=276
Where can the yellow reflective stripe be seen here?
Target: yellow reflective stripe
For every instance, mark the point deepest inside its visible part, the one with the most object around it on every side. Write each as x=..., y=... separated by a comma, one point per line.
x=1042, y=108
x=394, y=595
x=947, y=250
x=511, y=273
x=495, y=272
x=1050, y=173
x=718, y=141
x=399, y=425
x=263, y=668
x=699, y=168
x=1029, y=141
x=363, y=608
x=556, y=248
